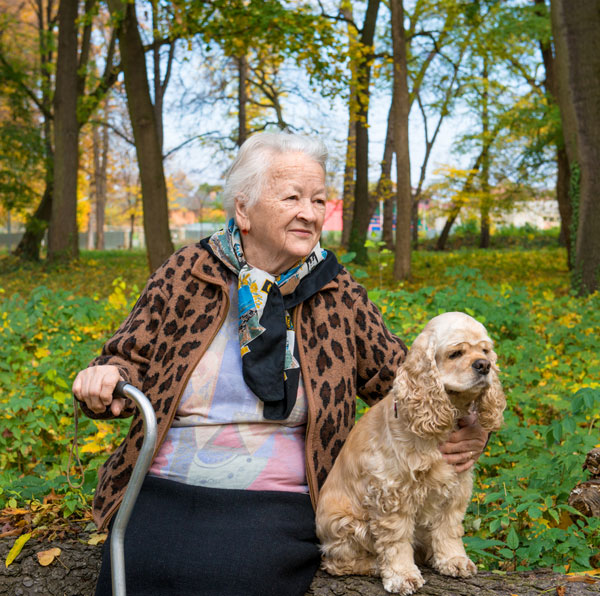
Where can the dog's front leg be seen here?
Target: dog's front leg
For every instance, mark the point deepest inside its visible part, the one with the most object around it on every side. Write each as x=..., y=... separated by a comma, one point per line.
x=393, y=534
x=449, y=556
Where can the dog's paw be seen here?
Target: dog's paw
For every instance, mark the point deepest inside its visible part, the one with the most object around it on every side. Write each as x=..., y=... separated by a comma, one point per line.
x=456, y=566
x=406, y=582
x=358, y=566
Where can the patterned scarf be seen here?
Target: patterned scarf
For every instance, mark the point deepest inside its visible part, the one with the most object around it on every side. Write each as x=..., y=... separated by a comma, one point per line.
x=267, y=339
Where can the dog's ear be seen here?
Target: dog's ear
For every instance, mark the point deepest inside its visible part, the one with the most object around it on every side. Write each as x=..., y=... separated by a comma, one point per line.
x=421, y=396
x=492, y=402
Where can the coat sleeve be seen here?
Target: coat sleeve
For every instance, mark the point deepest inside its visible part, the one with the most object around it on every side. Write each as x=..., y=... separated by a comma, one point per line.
x=379, y=352
x=130, y=348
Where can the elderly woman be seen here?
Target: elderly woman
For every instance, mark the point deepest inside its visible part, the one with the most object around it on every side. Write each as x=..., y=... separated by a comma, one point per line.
x=252, y=346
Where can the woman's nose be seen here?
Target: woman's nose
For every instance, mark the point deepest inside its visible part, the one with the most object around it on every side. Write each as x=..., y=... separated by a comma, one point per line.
x=307, y=211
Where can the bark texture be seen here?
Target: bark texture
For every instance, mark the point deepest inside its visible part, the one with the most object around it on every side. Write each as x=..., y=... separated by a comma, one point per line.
x=585, y=497
x=74, y=574
x=361, y=217
x=385, y=192
x=576, y=26
x=62, y=233
x=402, y=260
x=145, y=132
x=563, y=175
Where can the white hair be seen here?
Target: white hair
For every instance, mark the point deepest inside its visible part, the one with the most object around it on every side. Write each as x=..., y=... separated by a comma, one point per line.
x=247, y=175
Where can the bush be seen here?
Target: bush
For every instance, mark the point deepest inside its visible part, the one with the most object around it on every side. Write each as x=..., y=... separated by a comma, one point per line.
x=546, y=339
x=45, y=339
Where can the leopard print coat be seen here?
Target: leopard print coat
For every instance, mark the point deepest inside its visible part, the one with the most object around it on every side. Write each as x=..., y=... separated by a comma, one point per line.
x=344, y=348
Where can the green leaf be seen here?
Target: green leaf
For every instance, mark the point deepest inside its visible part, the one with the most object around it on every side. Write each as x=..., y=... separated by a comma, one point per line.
x=512, y=540
x=62, y=383
x=347, y=258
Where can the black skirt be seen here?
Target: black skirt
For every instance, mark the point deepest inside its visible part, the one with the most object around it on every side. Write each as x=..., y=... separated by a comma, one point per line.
x=188, y=540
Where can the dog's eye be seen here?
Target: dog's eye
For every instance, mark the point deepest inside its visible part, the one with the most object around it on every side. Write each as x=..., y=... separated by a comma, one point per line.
x=455, y=354
x=486, y=351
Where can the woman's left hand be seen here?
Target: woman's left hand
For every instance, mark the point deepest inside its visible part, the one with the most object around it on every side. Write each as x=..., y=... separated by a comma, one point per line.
x=465, y=445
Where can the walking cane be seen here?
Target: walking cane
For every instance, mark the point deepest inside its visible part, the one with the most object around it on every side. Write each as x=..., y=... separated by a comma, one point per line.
x=117, y=553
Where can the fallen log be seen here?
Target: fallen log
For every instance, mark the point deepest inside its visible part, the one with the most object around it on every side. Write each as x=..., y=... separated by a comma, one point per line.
x=74, y=571
x=585, y=497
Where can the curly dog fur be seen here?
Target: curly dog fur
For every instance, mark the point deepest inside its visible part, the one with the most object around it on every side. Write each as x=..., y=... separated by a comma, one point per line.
x=390, y=494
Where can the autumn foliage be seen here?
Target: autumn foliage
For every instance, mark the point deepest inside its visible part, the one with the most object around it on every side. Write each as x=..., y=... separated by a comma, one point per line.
x=53, y=321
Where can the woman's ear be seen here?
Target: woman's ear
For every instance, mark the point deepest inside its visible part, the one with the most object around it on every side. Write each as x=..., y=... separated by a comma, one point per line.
x=241, y=213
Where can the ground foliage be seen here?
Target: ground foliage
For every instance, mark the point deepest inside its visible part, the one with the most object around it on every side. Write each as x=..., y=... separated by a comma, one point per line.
x=53, y=321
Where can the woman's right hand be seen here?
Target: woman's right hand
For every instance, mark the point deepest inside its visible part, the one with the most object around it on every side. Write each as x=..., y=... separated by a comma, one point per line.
x=95, y=386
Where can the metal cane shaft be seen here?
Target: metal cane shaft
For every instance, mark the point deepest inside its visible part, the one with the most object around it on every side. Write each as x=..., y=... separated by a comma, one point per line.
x=144, y=460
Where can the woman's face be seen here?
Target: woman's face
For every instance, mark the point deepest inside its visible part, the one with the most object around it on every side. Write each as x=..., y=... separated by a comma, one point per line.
x=285, y=224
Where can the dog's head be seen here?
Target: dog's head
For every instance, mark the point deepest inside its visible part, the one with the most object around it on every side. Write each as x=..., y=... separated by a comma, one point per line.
x=450, y=364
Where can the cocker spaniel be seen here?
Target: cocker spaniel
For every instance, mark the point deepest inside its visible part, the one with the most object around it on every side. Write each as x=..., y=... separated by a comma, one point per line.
x=390, y=492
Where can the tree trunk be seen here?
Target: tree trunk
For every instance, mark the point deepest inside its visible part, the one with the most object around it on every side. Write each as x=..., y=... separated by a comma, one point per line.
x=360, y=219
x=563, y=178
x=100, y=168
x=350, y=161
x=349, y=174
x=62, y=232
x=585, y=497
x=467, y=186
x=443, y=237
x=36, y=226
x=145, y=131
x=74, y=573
x=563, y=174
x=486, y=199
x=414, y=223
x=384, y=192
x=91, y=227
x=242, y=67
x=402, y=261
x=577, y=26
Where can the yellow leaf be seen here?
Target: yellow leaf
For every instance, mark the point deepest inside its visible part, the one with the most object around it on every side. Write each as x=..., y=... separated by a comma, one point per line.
x=96, y=539
x=41, y=353
x=46, y=557
x=589, y=572
x=92, y=447
x=17, y=547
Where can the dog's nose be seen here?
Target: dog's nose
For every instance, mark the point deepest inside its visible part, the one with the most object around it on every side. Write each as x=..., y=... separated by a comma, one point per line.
x=482, y=366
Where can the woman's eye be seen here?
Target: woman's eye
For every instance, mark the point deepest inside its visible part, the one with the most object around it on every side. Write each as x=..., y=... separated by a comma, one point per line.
x=455, y=354
x=292, y=198
x=319, y=201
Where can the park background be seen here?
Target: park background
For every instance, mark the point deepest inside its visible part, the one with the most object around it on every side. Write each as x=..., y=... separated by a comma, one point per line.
x=121, y=118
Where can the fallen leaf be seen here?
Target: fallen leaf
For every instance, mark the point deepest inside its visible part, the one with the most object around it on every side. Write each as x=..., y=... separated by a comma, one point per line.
x=584, y=579
x=46, y=557
x=560, y=591
x=15, y=511
x=17, y=547
x=589, y=572
x=96, y=539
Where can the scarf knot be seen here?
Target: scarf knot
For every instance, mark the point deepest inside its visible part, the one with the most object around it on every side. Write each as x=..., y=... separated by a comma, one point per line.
x=270, y=362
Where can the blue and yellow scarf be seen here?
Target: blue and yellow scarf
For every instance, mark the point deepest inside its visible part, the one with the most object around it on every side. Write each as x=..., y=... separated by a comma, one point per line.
x=267, y=339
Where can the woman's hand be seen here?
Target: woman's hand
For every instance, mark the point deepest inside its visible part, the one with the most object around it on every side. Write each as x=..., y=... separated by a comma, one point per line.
x=95, y=386
x=465, y=445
